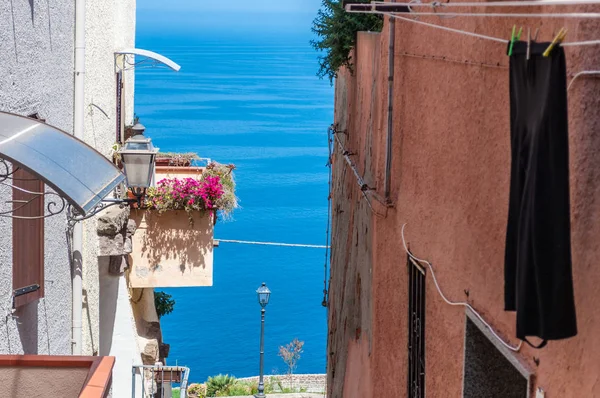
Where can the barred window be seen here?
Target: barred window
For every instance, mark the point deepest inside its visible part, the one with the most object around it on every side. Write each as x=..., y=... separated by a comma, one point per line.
x=416, y=329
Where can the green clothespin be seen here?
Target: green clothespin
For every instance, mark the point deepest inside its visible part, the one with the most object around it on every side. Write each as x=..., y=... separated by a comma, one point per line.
x=512, y=40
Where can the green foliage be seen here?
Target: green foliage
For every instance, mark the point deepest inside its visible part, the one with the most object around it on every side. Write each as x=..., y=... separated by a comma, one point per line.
x=228, y=386
x=176, y=393
x=273, y=384
x=218, y=386
x=196, y=390
x=228, y=201
x=164, y=303
x=241, y=388
x=336, y=31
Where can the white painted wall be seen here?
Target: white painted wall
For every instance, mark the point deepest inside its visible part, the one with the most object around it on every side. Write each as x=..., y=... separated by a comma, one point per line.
x=110, y=26
x=117, y=335
x=36, y=76
x=108, y=327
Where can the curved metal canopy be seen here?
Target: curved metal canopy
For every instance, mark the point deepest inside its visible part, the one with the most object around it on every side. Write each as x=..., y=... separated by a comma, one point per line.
x=75, y=170
x=151, y=55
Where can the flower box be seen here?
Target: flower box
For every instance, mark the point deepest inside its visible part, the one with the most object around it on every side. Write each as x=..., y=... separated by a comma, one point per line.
x=173, y=245
x=162, y=172
x=172, y=249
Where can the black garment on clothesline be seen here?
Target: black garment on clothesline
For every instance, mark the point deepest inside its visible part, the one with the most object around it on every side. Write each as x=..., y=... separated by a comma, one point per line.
x=537, y=269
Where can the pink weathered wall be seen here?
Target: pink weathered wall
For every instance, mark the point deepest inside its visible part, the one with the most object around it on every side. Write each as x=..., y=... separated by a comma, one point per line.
x=21, y=382
x=450, y=176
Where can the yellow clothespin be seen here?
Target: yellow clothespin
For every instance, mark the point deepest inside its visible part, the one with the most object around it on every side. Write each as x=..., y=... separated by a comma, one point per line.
x=557, y=39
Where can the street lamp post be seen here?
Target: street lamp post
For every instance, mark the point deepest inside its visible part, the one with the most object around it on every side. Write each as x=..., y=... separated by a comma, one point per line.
x=263, y=293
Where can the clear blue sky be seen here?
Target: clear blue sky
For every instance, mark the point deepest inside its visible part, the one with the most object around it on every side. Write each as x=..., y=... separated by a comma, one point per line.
x=222, y=16
x=223, y=6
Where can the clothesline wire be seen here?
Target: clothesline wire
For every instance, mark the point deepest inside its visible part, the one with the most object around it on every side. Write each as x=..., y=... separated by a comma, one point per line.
x=535, y=3
x=490, y=65
x=432, y=25
x=248, y=242
x=457, y=303
x=579, y=15
x=467, y=33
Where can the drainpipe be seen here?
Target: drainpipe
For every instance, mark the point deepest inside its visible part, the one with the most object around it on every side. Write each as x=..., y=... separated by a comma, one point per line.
x=78, y=125
x=388, y=144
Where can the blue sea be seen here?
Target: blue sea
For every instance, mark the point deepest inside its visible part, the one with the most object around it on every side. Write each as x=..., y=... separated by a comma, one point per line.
x=253, y=101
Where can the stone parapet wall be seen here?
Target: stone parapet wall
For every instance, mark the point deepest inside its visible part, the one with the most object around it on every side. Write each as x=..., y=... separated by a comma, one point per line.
x=315, y=383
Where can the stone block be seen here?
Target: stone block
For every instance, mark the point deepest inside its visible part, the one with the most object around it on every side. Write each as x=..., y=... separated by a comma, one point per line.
x=111, y=245
x=112, y=221
x=131, y=227
x=150, y=352
x=130, y=230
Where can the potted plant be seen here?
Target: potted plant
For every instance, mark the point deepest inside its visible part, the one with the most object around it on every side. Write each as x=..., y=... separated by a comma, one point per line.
x=213, y=190
x=173, y=244
x=176, y=159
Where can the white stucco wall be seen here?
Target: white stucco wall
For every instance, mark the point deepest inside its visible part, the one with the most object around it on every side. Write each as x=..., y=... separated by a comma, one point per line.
x=110, y=26
x=117, y=329
x=36, y=76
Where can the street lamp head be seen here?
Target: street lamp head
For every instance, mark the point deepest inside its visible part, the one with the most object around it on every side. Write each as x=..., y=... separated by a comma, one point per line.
x=138, y=129
x=137, y=155
x=263, y=295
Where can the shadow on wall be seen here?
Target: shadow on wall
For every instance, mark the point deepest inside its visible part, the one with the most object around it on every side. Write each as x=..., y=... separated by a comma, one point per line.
x=171, y=237
x=109, y=292
x=32, y=13
x=86, y=307
x=171, y=250
x=27, y=325
x=31, y=7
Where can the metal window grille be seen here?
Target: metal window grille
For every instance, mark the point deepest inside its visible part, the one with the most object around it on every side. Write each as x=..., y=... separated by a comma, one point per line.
x=156, y=381
x=416, y=329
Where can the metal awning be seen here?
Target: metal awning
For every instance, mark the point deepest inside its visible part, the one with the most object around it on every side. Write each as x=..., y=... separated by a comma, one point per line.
x=146, y=56
x=75, y=170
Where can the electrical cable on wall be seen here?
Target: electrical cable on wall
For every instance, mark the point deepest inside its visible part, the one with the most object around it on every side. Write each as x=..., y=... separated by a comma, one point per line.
x=329, y=198
x=583, y=73
x=325, y=302
x=364, y=188
x=457, y=303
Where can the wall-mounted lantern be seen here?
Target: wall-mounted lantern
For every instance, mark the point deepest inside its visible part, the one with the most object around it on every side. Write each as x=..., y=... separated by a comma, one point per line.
x=137, y=156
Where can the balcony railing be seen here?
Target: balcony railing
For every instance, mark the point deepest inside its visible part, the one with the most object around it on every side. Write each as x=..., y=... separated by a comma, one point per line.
x=156, y=381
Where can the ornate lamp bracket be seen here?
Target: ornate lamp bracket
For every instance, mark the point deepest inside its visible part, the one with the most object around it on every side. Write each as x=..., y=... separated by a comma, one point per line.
x=54, y=206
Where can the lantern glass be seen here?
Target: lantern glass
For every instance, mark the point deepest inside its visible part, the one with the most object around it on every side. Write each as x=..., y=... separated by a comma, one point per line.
x=137, y=156
x=138, y=169
x=263, y=293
